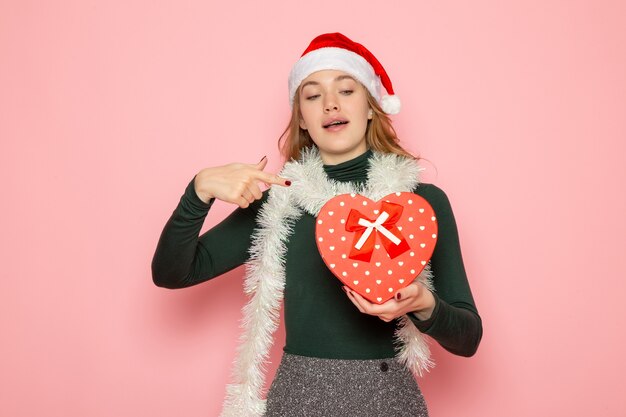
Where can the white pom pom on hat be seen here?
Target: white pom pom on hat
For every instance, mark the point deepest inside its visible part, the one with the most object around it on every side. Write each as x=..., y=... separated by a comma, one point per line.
x=391, y=104
x=335, y=51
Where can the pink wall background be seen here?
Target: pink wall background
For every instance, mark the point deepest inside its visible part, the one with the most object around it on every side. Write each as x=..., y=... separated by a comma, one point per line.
x=108, y=109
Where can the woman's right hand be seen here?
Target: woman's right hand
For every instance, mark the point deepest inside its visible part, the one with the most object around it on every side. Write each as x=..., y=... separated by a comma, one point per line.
x=235, y=183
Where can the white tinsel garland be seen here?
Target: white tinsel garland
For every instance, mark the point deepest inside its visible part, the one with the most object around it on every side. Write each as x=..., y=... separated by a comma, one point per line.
x=265, y=273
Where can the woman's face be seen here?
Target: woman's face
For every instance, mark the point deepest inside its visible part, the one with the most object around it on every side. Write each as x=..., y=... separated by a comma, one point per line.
x=335, y=111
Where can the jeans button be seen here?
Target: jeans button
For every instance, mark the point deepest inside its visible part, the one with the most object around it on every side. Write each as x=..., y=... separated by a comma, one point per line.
x=384, y=366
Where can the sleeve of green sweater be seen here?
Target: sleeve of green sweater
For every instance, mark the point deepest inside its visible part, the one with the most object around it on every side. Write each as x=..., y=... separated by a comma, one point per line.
x=182, y=258
x=455, y=323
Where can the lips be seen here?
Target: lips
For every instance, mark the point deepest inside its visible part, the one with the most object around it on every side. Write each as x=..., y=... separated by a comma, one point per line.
x=334, y=122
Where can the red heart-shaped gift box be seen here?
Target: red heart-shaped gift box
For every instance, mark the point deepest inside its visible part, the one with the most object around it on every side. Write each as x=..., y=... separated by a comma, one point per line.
x=376, y=247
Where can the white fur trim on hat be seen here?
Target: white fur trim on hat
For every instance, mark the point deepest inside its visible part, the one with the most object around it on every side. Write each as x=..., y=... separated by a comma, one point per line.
x=334, y=59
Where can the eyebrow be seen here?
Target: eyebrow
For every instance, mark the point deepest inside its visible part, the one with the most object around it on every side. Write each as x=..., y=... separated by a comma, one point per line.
x=337, y=79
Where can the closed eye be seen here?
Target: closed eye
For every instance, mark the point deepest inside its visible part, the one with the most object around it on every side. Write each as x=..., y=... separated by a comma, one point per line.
x=313, y=97
x=347, y=92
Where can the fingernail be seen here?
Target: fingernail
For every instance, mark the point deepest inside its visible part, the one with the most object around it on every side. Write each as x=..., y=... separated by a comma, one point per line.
x=398, y=296
x=344, y=289
x=287, y=183
x=262, y=159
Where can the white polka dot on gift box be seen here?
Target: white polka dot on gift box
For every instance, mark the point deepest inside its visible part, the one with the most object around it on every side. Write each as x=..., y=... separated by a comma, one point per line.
x=379, y=279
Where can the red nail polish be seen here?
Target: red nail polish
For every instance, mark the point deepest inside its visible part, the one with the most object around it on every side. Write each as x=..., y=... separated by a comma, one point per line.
x=398, y=296
x=287, y=183
x=262, y=158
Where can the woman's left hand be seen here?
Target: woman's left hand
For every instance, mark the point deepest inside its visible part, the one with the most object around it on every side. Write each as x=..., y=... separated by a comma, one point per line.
x=413, y=298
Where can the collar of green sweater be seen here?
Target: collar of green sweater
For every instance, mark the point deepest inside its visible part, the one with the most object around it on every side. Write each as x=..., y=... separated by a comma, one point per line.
x=353, y=170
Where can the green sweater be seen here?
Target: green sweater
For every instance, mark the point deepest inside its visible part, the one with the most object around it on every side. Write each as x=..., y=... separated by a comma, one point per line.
x=320, y=320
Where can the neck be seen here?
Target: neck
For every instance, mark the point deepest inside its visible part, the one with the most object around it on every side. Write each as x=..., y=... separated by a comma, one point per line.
x=334, y=158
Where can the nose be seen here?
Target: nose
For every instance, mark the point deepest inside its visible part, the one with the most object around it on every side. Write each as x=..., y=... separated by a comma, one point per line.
x=330, y=103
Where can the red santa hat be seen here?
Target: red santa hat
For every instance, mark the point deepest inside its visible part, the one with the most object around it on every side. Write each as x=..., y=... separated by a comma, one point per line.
x=335, y=51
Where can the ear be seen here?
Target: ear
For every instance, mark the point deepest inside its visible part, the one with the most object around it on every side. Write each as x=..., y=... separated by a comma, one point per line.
x=302, y=124
x=370, y=114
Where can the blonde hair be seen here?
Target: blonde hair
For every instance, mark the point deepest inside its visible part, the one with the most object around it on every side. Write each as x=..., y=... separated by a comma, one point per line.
x=379, y=136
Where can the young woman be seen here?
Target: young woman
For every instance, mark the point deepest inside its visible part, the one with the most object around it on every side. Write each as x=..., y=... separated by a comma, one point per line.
x=343, y=354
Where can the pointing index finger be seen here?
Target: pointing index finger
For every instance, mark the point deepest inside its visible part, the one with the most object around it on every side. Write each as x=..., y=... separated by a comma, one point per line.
x=270, y=179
